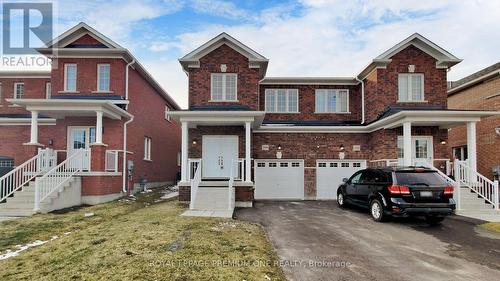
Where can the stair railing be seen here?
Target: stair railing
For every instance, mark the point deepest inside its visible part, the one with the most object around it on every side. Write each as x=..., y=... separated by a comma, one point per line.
x=231, y=190
x=478, y=183
x=58, y=176
x=195, y=183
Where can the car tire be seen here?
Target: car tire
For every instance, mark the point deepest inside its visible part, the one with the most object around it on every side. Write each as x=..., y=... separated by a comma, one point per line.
x=433, y=220
x=341, y=200
x=377, y=211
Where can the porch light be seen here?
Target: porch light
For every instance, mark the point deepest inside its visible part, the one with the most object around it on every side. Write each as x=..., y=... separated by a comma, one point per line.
x=342, y=148
x=443, y=142
x=194, y=142
x=279, y=146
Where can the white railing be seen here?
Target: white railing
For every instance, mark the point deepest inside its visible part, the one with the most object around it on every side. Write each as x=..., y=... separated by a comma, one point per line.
x=111, y=161
x=454, y=183
x=195, y=183
x=193, y=164
x=231, y=190
x=55, y=179
x=26, y=172
x=240, y=172
x=478, y=183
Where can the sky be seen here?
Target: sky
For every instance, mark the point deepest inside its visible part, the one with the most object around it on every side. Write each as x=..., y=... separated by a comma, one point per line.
x=300, y=38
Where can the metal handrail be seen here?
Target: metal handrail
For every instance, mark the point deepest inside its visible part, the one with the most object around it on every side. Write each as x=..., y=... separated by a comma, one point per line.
x=195, y=183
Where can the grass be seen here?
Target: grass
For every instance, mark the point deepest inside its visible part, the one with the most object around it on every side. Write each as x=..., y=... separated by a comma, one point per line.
x=137, y=240
x=491, y=226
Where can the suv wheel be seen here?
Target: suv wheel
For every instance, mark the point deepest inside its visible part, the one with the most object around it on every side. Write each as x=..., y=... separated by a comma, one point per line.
x=341, y=200
x=377, y=211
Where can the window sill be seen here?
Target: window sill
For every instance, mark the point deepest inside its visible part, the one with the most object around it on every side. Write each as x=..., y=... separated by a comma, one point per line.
x=68, y=92
x=413, y=101
x=14, y=105
x=280, y=112
x=102, y=92
x=148, y=160
x=223, y=101
x=332, y=112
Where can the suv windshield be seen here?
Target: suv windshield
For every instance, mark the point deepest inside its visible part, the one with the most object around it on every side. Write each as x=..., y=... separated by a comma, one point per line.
x=419, y=178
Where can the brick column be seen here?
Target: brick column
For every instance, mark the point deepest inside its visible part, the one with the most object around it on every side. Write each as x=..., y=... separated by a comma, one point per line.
x=98, y=157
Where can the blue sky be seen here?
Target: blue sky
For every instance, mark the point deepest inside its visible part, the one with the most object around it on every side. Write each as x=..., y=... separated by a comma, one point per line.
x=301, y=38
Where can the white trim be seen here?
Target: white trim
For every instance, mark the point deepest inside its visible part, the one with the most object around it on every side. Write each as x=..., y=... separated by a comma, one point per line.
x=71, y=36
x=66, y=77
x=224, y=89
x=167, y=115
x=287, y=100
x=148, y=144
x=48, y=90
x=25, y=121
x=99, y=78
x=414, y=138
x=409, y=77
x=308, y=81
x=15, y=90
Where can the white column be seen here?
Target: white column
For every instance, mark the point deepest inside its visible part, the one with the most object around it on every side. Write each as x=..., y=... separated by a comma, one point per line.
x=34, y=127
x=248, y=156
x=407, y=144
x=471, y=146
x=184, y=152
x=98, y=127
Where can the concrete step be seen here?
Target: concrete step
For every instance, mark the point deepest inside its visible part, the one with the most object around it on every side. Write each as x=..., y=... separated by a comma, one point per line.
x=212, y=198
x=214, y=183
x=472, y=206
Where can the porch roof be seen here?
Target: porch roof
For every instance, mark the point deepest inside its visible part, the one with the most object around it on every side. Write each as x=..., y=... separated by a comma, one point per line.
x=218, y=118
x=441, y=118
x=61, y=108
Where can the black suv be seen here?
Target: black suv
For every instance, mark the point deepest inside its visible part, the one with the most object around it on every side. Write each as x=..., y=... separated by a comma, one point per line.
x=399, y=192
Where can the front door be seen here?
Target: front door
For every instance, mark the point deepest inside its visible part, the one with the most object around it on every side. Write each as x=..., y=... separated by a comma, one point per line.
x=80, y=138
x=219, y=152
x=421, y=151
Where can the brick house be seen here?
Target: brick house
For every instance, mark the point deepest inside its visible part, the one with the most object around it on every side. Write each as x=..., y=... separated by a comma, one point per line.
x=295, y=138
x=478, y=91
x=96, y=114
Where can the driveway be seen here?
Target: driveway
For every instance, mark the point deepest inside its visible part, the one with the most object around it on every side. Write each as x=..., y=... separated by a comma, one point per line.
x=316, y=240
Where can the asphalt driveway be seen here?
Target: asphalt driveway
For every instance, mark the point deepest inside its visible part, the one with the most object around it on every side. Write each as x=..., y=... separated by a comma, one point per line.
x=318, y=241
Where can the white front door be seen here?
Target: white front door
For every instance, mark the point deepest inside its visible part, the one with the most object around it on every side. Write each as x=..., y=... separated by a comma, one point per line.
x=219, y=152
x=421, y=150
x=80, y=138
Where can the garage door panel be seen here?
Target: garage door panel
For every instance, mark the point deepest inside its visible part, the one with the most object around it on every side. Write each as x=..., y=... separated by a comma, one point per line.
x=329, y=175
x=279, y=179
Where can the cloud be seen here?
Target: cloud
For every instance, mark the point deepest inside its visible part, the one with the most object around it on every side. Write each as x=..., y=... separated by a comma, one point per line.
x=218, y=8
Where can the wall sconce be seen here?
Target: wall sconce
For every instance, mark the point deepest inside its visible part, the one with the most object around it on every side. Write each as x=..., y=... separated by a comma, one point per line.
x=279, y=146
x=194, y=142
x=443, y=142
x=317, y=146
x=342, y=148
x=51, y=142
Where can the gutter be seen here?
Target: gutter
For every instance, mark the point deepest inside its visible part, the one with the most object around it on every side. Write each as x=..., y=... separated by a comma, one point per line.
x=362, y=99
x=124, y=164
x=126, y=80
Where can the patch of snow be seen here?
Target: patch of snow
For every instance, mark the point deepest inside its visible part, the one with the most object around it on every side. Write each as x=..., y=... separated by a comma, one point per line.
x=21, y=248
x=88, y=215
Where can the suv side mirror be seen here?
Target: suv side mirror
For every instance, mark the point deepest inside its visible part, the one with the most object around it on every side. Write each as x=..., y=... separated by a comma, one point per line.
x=345, y=180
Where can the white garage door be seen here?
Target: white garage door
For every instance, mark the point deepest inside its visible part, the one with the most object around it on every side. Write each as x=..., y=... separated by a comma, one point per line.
x=279, y=179
x=329, y=175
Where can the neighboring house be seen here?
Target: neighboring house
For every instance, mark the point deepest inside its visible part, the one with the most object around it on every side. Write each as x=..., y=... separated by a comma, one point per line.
x=478, y=91
x=97, y=107
x=295, y=138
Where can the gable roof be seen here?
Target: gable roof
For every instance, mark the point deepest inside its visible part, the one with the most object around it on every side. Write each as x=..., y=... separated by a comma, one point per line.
x=255, y=59
x=79, y=31
x=475, y=78
x=444, y=59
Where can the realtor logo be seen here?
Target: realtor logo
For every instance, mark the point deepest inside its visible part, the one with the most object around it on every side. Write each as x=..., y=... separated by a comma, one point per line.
x=26, y=26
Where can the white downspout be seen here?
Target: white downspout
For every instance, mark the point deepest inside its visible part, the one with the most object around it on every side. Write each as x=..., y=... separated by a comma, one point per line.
x=124, y=167
x=362, y=99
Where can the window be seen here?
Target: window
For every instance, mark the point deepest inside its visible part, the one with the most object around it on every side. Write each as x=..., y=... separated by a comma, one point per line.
x=48, y=90
x=70, y=77
x=282, y=100
x=272, y=165
x=167, y=117
x=332, y=101
x=147, y=148
x=460, y=153
x=261, y=165
x=355, y=178
x=344, y=165
x=224, y=86
x=295, y=164
x=283, y=165
x=410, y=87
x=103, y=76
x=0, y=92
x=18, y=90
x=356, y=165
x=334, y=165
x=322, y=165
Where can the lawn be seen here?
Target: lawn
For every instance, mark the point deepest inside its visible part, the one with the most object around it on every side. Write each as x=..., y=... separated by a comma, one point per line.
x=136, y=240
x=491, y=226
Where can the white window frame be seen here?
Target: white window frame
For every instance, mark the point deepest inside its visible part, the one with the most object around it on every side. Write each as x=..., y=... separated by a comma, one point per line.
x=410, y=85
x=337, y=104
x=274, y=91
x=430, y=148
x=224, y=99
x=66, y=77
x=15, y=90
x=48, y=90
x=99, y=78
x=1, y=92
x=147, y=148
x=167, y=117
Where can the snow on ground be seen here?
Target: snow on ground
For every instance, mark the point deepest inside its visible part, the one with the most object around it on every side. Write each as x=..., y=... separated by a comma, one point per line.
x=21, y=248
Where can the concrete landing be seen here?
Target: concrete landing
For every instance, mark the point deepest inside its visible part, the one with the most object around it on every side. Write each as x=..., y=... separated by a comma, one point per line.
x=208, y=213
x=485, y=215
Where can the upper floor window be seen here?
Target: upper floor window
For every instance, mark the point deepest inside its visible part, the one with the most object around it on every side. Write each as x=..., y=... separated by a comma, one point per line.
x=167, y=117
x=282, y=100
x=18, y=90
x=224, y=86
x=48, y=90
x=332, y=101
x=70, y=77
x=410, y=87
x=147, y=148
x=103, y=76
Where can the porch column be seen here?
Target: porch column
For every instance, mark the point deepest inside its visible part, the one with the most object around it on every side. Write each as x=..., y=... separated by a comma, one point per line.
x=34, y=127
x=248, y=161
x=184, y=152
x=98, y=127
x=471, y=146
x=407, y=144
